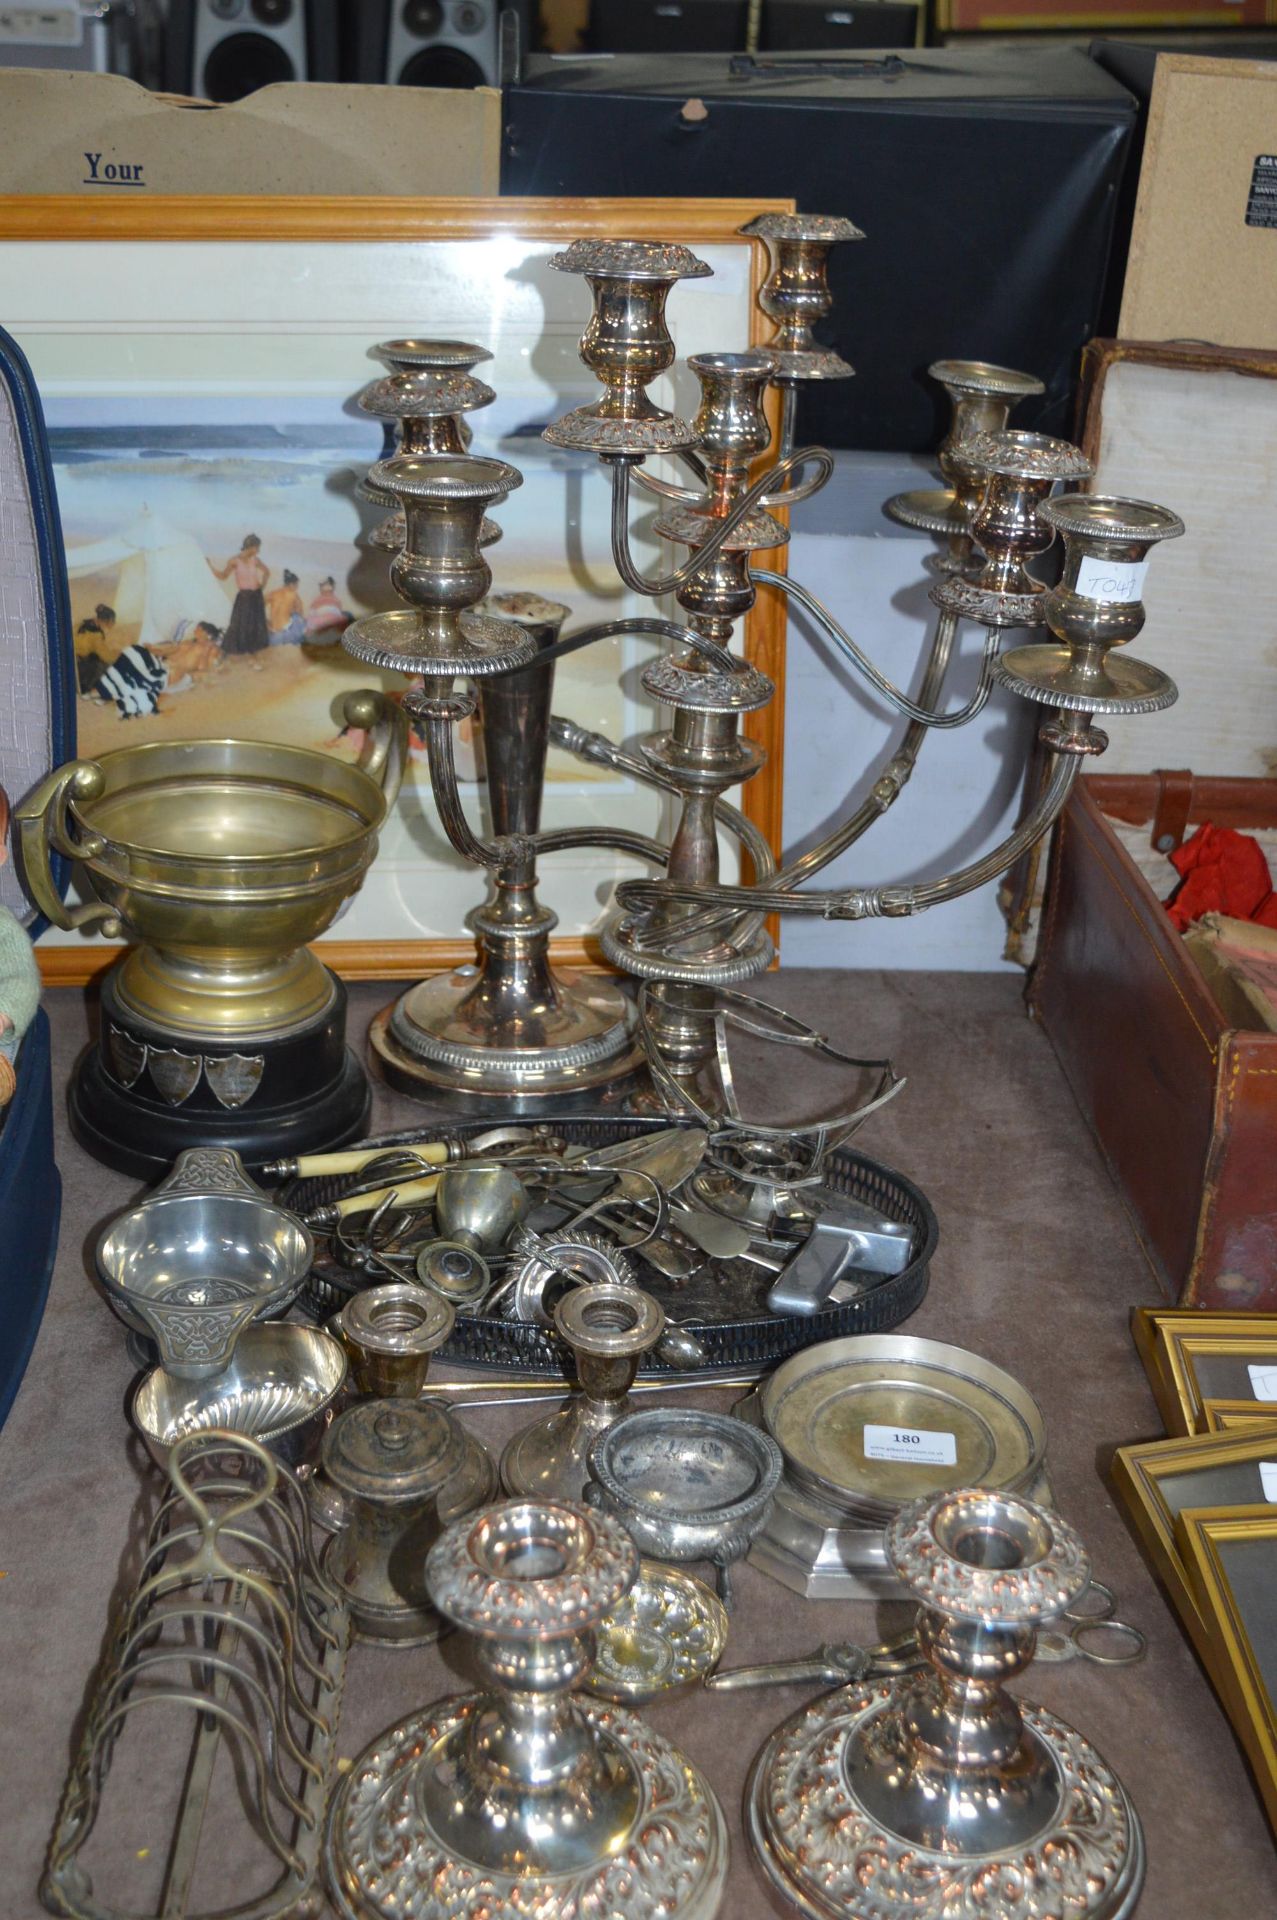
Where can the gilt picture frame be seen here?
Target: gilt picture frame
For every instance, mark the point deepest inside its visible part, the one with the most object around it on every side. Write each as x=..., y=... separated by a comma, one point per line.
x=199, y=361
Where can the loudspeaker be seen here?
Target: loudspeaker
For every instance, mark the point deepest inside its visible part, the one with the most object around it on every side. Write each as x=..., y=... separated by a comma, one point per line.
x=431, y=43
x=825, y=26
x=224, y=49
x=984, y=179
x=676, y=26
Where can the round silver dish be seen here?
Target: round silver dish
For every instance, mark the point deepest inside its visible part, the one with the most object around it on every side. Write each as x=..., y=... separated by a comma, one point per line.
x=818, y=1405
x=687, y=1485
x=280, y=1387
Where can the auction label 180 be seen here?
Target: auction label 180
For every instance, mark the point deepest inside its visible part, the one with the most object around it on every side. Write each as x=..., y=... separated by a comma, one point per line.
x=911, y=1443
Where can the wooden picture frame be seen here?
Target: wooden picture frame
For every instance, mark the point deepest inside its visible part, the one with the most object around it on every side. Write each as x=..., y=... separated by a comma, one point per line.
x=1168, y=1340
x=1237, y=1416
x=258, y=228
x=1238, y=1603
x=1158, y=1480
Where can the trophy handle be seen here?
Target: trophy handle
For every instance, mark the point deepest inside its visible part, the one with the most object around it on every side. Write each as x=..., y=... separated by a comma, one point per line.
x=46, y=823
x=386, y=748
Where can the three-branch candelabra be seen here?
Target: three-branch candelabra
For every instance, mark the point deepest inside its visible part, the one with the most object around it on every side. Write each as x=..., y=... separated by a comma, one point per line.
x=521, y=1031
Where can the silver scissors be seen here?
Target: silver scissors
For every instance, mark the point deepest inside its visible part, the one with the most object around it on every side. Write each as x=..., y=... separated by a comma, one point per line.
x=1090, y=1631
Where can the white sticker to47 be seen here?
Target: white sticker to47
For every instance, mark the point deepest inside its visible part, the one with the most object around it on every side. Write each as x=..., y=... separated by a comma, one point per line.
x=911, y=1443
x=1120, y=580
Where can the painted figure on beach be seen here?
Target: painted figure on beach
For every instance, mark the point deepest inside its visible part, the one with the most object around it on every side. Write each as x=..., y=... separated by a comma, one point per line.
x=326, y=618
x=246, y=630
x=285, y=613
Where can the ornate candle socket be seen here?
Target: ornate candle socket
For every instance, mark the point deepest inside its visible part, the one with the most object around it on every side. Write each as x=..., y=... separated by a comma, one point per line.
x=527, y=1795
x=981, y=398
x=1021, y=470
x=390, y=1462
x=1096, y=607
x=427, y=398
x=626, y=344
x=389, y=1334
x=731, y=430
x=609, y=1329
x=442, y=572
x=432, y=356
x=916, y=1797
x=796, y=293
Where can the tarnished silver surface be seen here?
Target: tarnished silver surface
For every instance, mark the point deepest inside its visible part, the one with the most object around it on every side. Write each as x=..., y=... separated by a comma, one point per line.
x=280, y=1388
x=204, y=1254
x=930, y=1796
x=687, y=1485
x=389, y=1333
x=421, y=395
x=391, y=1461
x=667, y=1634
x=401, y=641
x=697, y=691
x=818, y=1404
x=692, y=526
x=524, y=1798
x=1048, y=675
x=828, y=1858
x=231, y=1628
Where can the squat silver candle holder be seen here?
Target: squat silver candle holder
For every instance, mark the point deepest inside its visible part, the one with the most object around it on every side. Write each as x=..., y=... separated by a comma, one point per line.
x=527, y=1798
x=942, y=1797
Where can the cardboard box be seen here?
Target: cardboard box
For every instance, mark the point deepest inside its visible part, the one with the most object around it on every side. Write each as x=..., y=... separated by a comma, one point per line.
x=96, y=133
x=1203, y=259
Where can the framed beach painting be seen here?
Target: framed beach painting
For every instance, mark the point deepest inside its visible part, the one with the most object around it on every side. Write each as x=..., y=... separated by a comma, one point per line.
x=199, y=362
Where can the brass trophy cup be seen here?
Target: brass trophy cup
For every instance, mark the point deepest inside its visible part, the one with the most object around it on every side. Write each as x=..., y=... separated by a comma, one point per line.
x=221, y=859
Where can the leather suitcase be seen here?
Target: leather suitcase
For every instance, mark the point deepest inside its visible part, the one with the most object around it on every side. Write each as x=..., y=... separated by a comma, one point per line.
x=1183, y=1107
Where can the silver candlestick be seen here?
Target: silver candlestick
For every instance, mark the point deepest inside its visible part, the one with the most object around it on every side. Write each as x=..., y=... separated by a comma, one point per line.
x=527, y=1798
x=942, y=1797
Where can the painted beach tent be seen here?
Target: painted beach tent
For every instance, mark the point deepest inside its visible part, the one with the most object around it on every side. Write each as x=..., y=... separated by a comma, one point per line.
x=164, y=578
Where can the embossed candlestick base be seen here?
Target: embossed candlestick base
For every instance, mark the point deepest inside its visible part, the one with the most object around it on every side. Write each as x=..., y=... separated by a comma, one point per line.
x=526, y=1799
x=941, y=1797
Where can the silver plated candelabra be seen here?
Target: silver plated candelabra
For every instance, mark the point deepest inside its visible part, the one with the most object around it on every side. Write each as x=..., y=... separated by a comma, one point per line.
x=688, y=941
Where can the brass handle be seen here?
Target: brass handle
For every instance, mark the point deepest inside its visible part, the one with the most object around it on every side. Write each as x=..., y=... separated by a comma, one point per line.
x=386, y=748
x=46, y=823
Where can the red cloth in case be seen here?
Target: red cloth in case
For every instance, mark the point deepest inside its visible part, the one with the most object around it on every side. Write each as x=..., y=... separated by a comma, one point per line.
x=1223, y=872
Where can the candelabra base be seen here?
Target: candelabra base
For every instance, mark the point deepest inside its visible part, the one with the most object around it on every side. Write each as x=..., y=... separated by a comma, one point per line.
x=407, y=1834
x=810, y=1824
x=435, y=1043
